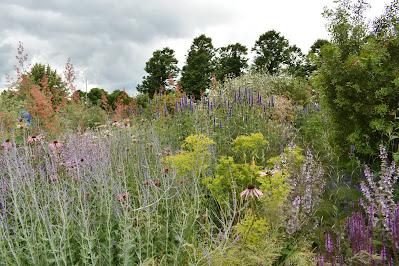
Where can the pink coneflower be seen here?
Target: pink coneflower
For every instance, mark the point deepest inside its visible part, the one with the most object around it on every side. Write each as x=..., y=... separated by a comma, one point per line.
x=34, y=139
x=7, y=145
x=166, y=152
x=121, y=124
x=251, y=191
x=122, y=197
x=264, y=173
x=55, y=145
x=53, y=178
x=152, y=182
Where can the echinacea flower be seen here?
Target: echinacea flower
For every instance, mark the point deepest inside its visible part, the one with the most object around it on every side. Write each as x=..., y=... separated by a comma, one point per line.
x=121, y=124
x=265, y=173
x=34, y=139
x=55, y=145
x=6, y=145
x=152, y=182
x=122, y=197
x=251, y=191
x=53, y=178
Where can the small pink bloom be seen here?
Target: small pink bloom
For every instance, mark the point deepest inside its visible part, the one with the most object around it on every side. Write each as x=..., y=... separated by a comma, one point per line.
x=55, y=145
x=122, y=197
x=34, y=139
x=152, y=182
x=7, y=145
x=251, y=191
x=121, y=124
x=263, y=173
x=53, y=178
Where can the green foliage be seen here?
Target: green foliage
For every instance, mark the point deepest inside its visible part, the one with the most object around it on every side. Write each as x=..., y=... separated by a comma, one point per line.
x=273, y=53
x=39, y=71
x=276, y=183
x=356, y=79
x=276, y=189
x=194, y=159
x=252, y=229
x=265, y=252
x=231, y=179
x=160, y=67
x=257, y=244
x=10, y=105
x=118, y=97
x=249, y=147
x=49, y=82
x=196, y=75
x=80, y=117
x=231, y=61
x=297, y=63
x=97, y=96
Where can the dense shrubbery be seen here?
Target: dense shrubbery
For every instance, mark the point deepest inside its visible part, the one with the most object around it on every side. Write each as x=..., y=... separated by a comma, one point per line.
x=358, y=80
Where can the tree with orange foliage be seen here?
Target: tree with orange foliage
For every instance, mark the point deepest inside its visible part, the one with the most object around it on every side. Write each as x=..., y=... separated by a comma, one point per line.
x=41, y=108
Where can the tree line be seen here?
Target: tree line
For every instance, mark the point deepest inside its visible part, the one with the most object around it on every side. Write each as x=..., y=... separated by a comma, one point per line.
x=273, y=54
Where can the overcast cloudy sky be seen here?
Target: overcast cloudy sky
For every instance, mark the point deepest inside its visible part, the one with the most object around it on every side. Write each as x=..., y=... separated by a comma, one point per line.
x=109, y=41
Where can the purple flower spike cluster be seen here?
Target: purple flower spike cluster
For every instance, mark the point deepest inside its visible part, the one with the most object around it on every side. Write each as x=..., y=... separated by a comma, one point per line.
x=378, y=192
x=306, y=191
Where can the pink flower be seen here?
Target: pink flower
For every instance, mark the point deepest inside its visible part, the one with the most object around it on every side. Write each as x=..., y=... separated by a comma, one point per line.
x=55, y=145
x=53, y=178
x=251, y=191
x=122, y=197
x=34, y=139
x=7, y=145
x=121, y=124
x=152, y=182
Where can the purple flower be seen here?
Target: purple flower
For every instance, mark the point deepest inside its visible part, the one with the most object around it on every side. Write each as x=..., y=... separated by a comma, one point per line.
x=383, y=254
x=329, y=244
x=320, y=261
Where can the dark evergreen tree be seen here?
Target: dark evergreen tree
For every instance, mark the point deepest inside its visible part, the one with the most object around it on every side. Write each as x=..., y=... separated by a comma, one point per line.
x=231, y=61
x=199, y=67
x=161, y=66
x=272, y=52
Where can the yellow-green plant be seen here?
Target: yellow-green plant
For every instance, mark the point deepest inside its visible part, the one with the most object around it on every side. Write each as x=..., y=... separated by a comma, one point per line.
x=252, y=229
x=249, y=147
x=275, y=189
x=195, y=157
x=231, y=178
x=254, y=244
x=276, y=184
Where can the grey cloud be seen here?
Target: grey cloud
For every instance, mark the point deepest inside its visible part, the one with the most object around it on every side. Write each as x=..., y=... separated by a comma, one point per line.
x=111, y=39
x=6, y=64
x=127, y=20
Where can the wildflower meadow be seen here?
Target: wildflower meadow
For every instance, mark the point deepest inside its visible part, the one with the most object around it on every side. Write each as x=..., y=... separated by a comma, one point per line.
x=284, y=164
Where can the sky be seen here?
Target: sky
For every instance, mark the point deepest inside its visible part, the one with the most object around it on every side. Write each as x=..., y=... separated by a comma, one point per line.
x=109, y=41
